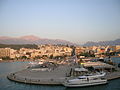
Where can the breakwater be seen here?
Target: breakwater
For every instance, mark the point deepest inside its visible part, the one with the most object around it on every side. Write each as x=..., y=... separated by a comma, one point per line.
x=54, y=77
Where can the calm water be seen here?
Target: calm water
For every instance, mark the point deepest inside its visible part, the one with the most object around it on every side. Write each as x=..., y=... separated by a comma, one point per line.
x=5, y=84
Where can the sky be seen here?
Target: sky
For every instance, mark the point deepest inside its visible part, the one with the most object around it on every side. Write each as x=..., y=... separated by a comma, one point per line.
x=77, y=21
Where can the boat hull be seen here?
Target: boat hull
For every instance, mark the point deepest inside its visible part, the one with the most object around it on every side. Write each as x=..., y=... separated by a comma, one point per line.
x=85, y=84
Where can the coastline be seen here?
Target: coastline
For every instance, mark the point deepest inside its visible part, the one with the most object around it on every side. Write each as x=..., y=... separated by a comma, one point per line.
x=24, y=60
x=20, y=60
x=55, y=77
x=51, y=76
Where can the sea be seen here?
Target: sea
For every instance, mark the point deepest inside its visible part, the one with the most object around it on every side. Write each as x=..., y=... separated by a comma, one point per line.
x=9, y=67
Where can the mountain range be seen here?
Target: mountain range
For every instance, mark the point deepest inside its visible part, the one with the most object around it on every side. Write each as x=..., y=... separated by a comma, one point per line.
x=103, y=43
x=31, y=39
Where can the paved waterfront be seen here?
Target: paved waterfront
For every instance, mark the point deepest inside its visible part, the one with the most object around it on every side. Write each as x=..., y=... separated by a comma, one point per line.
x=113, y=75
x=54, y=77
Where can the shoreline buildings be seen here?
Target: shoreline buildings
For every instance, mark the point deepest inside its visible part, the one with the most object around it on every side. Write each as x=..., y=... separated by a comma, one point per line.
x=58, y=51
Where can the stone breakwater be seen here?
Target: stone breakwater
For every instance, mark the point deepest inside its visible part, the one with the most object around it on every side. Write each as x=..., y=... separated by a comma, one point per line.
x=55, y=76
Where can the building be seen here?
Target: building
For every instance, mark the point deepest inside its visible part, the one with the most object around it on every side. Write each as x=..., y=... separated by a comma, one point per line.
x=117, y=47
x=4, y=52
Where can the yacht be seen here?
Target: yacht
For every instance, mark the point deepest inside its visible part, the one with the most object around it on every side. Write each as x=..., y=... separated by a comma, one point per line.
x=87, y=80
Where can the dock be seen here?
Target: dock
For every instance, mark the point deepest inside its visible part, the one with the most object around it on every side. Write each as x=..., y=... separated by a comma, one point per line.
x=54, y=77
x=113, y=75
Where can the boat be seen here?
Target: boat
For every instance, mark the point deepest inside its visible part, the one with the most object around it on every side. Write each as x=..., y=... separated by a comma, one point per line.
x=101, y=59
x=87, y=80
x=34, y=64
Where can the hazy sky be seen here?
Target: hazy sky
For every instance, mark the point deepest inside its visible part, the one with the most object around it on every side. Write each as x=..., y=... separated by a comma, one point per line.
x=73, y=20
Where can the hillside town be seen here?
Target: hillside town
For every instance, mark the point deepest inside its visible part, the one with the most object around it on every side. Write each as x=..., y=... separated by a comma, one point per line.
x=58, y=52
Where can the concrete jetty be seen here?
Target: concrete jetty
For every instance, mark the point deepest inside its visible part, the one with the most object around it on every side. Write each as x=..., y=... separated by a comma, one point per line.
x=113, y=75
x=55, y=76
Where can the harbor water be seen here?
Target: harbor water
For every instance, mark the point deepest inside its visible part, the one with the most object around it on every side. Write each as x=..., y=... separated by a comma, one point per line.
x=9, y=67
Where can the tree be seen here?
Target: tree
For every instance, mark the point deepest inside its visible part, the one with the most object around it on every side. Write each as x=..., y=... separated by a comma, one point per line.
x=44, y=56
x=6, y=58
x=37, y=57
x=58, y=57
x=87, y=54
x=51, y=56
x=23, y=57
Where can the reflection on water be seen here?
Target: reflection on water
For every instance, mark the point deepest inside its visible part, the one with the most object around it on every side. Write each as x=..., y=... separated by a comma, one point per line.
x=5, y=84
x=101, y=87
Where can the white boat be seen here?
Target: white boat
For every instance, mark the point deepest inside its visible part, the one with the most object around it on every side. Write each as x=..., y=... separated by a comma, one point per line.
x=34, y=64
x=87, y=80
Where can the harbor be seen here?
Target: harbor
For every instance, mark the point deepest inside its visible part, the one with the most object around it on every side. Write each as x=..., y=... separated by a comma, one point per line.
x=7, y=68
x=48, y=78
x=55, y=75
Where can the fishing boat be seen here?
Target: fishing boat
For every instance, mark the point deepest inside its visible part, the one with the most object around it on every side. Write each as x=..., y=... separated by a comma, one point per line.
x=87, y=80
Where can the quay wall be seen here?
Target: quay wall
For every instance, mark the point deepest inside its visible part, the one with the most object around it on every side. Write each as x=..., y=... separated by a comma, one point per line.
x=50, y=80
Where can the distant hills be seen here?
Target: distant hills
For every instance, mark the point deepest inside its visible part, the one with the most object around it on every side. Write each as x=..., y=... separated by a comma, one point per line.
x=31, y=39
x=103, y=43
x=19, y=46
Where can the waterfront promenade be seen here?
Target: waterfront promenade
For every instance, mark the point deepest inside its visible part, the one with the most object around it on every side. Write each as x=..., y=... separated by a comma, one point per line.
x=55, y=76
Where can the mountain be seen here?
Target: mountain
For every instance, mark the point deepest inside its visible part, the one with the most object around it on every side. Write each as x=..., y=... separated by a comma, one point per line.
x=103, y=43
x=31, y=39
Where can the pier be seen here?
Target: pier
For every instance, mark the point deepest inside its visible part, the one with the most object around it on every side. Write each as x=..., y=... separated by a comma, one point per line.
x=55, y=76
